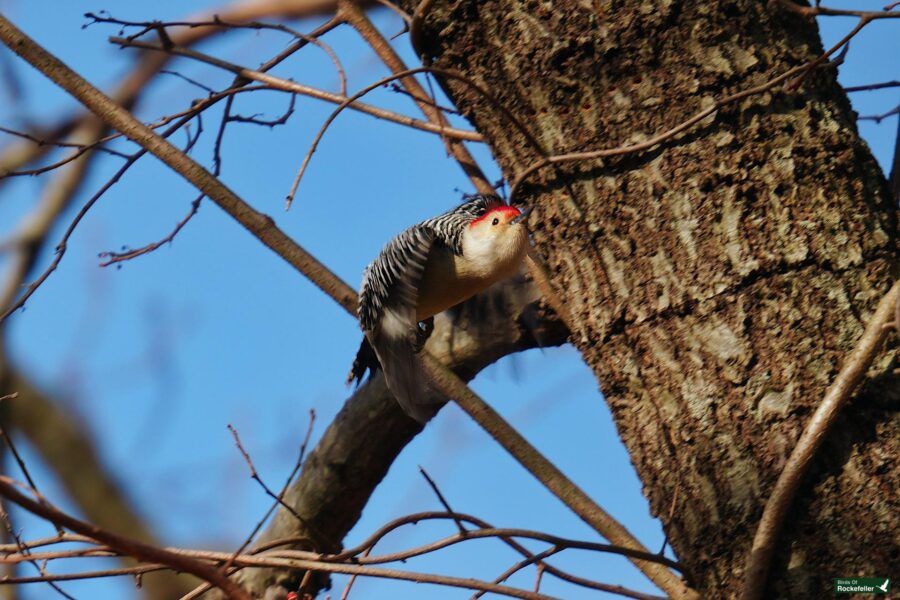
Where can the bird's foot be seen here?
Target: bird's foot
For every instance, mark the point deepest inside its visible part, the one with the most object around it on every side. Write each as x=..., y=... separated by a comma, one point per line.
x=423, y=332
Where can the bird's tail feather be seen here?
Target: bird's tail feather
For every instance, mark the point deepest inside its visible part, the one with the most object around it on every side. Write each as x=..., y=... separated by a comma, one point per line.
x=405, y=376
x=366, y=360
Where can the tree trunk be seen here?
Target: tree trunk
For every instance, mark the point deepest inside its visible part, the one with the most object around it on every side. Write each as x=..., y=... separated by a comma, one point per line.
x=715, y=282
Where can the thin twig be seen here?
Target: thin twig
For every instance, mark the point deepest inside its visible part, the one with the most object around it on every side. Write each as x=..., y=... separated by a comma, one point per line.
x=24, y=469
x=298, y=465
x=872, y=86
x=149, y=64
x=536, y=558
x=356, y=17
x=539, y=574
x=58, y=144
x=346, y=593
x=270, y=123
x=779, y=503
x=217, y=22
x=881, y=117
x=118, y=257
x=279, y=500
x=442, y=500
x=484, y=531
x=7, y=523
x=193, y=82
x=348, y=569
x=480, y=182
x=255, y=476
x=81, y=150
x=305, y=90
x=811, y=12
x=53, y=577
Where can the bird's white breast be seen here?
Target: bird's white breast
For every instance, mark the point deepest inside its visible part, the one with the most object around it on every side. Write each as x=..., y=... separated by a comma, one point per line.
x=451, y=279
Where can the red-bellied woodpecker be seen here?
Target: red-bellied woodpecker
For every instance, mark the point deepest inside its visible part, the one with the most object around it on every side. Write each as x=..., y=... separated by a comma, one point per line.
x=429, y=268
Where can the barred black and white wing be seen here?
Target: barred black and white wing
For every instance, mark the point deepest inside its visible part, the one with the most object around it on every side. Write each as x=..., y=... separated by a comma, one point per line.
x=387, y=313
x=391, y=282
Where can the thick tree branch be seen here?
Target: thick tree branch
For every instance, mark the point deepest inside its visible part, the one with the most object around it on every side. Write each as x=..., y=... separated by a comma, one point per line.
x=352, y=457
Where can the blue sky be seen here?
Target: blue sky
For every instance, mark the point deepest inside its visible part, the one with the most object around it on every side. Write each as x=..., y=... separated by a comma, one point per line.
x=157, y=357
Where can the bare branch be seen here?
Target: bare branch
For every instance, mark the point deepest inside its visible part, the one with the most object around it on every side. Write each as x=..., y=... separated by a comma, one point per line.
x=117, y=257
x=298, y=465
x=278, y=498
x=29, y=239
x=442, y=500
x=40, y=567
x=218, y=22
x=872, y=86
x=24, y=264
x=353, y=13
x=56, y=143
x=358, y=556
x=480, y=182
x=881, y=117
x=550, y=475
x=63, y=443
x=131, y=547
x=25, y=471
x=812, y=12
x=506, y=319
x=150, y=64
x=304, y=90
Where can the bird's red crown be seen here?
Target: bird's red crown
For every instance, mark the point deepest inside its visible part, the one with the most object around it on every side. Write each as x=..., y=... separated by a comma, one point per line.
x=504, y=209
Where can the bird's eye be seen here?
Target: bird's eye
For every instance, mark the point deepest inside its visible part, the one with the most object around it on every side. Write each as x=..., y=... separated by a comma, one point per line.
x=495, y=221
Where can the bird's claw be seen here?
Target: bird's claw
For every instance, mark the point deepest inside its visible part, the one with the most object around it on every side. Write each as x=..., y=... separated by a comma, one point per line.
x=422, y=333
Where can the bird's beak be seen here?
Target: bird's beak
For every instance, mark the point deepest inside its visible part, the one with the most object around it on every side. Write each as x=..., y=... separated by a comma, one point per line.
x=522, y=216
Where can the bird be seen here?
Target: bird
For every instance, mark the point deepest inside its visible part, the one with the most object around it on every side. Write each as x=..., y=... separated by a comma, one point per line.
x=426, y=269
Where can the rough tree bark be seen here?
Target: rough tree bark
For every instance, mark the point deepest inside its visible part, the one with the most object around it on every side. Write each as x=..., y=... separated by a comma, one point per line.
x=715, y=282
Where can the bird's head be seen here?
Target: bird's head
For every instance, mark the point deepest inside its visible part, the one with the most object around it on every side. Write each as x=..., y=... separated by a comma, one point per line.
x=499, y=235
